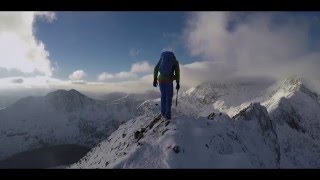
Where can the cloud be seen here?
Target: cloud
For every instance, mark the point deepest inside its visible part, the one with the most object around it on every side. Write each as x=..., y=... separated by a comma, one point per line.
x=136, y=69
x=77, y=75
x=20, y=49
x=105, y=76
x=252, y=44
x=126, y=75
x=79, y=82
x=134, y=52
x=30, y=83
x=141, y=67
x=191, y=75
x=19, y=80
x=121, y=76
x=49, y=84
x=197, y=72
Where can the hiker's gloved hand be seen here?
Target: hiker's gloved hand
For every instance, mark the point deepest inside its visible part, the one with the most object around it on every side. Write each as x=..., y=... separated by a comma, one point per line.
x=178, y=86
x=155, y=83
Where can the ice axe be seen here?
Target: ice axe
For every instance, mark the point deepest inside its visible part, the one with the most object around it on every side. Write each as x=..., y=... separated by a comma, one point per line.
x=177, y=98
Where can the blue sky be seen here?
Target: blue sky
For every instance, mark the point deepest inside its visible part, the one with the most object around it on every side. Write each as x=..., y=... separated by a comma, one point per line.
x=99, y=42
x=93, y=50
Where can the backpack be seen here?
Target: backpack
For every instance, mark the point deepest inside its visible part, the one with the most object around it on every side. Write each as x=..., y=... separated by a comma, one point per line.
x=167, y=61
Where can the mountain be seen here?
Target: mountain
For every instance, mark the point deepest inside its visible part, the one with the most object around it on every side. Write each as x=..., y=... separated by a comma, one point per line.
x=295, y=110
x=244, y=142
x=114, y=96
x=220, y=125
x=60, y=117
x=228, y=97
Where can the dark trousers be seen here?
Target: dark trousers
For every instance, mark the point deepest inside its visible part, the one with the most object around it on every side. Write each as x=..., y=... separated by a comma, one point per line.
x=166, y=89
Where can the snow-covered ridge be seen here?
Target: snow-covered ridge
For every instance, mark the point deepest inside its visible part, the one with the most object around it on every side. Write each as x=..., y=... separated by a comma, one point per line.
x=185, y=142
x=272, y=126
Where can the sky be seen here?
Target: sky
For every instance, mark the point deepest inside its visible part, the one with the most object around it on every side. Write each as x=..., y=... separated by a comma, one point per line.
x=114, y=40
x=117, y=51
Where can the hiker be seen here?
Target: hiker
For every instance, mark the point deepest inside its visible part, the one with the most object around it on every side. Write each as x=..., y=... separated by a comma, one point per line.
x=168, y=66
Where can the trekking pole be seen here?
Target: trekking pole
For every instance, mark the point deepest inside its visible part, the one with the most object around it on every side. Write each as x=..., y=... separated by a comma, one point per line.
x=177, y=98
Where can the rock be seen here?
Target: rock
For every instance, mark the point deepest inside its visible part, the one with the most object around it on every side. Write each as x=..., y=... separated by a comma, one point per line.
x=242, y=113
x=167, y=123
x=176, y=149
x=154, y=121
x=156, y=104
x=138, y=135
x=143, y=130
x=123, y=135
x=207, y=146
x=107, y=163
x=164, y=131
x=211, y=116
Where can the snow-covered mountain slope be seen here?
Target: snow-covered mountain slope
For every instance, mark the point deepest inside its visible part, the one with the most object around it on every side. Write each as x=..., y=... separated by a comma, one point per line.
x=291, y=102
x=60, y=117
x=121, y=96
x=220, y=126
x=296, y=112
x=228, y=97
x=248, y=141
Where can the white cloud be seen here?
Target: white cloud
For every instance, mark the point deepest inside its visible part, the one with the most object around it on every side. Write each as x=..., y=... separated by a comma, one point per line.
x=121, y=76
x=20, y=49
x=197, y=72
x=126, y=75
x=49, y=84
x=134, y=52
x=191, y=75
x=136, y=69
x=36, y=82
x=256, y=46
x=141, y=67
x=77, y=75
x=105, y=76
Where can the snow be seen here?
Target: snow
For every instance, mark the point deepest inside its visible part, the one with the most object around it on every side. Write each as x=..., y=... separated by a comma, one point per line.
x=60, y=117
x=203, y=143
x=121, y=98
x=251, y=125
